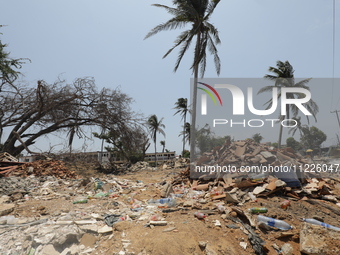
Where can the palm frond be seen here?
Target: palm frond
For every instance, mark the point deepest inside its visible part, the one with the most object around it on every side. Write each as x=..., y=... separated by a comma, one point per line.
x=213, y=50
x=265, y=89
x=180, y=39
x=171, y=24
x=212, y=30
x=302, y=84
x=210, y=8
x=184, y=48
x=170, y=10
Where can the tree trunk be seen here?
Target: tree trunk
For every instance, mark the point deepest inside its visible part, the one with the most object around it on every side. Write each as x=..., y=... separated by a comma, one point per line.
x=194, y=99
x=185, y=119
x=155, y=154
x=280, y=133
x=281, y=127
x=102, y=148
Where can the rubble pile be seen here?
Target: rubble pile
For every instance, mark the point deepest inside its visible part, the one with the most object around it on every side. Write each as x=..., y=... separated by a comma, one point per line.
x=12, y=184
x=249, y=153
x=176, y=163
x=156, y=212
x=37, y=168
x=141, y=165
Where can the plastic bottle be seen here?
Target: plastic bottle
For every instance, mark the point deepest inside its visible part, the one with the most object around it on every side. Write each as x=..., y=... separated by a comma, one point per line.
x=137, y=209
x=252, y=196
x=101, y=194
x=280, y=224
x=83, y=201
x=320, y=223
x=176, y=195
x=165, y=200
x=200, y=215
x=169, y=201
x=285, y=204
x=216, y=192
x=98, y=184
x=258, y=210
x=221, y=208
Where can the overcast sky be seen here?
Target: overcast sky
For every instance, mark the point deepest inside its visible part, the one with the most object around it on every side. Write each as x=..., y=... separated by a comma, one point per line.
x=104, y=39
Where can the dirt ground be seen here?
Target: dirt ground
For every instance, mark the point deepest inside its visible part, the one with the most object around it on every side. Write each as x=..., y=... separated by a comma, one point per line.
x=183, y=232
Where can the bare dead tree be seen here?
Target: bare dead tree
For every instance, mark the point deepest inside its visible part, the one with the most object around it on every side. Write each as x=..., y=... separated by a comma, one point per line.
x=30, y=113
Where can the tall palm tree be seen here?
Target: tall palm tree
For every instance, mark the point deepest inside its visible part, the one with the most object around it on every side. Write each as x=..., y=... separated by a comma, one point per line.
x=297, y=127
x=155, y=126
x=163, y=144
x=283, y=75
x=195, y=13
x=186, y=132
x=182, y=108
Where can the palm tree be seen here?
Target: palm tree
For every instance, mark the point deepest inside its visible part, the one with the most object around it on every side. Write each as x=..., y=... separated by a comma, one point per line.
x=155, y=126
x=182, y=107
x=195, y=13
x=186, y=132
x=284, y=77
x=257, y=137
x=297, y=127
x=163, y=144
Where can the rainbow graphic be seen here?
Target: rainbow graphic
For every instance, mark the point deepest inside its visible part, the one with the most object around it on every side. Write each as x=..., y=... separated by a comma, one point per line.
x=210, y=94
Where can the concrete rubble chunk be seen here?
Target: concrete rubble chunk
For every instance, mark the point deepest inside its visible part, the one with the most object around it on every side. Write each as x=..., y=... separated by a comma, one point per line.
x=258, y=190
x=287, y=249
x=243, y=245
x=232, y=198
x=158, y=223
x=316, y=240
x=267, y=154
x=209, y=250
x=67, y=251
x=240, y=150
x=44, y=239
x=6, y=209
x=202, y=244
x=49, y=250
x=105, y=229
x=89, y=228
x=169, y=229
x=85, y=222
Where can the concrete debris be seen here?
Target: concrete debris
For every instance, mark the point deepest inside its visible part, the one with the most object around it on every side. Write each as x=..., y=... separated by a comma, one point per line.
x=317, y=239
x=55, y=168
x=287, y=249
x=116, y=206
x=6, y=209
x=243, y=245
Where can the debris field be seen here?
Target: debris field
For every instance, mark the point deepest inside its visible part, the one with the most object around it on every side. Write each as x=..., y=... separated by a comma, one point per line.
x=48, y=207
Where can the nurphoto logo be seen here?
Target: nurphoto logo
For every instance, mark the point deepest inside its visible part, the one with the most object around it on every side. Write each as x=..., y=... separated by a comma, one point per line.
x=281, y=99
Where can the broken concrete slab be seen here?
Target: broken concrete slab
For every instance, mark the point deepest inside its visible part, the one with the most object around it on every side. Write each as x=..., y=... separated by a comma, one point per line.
x=105, y=230
x=6, y=209
x=258, y=190
x=49, y=250
x=315, y=240
x=167, y=189
x=231, y=198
